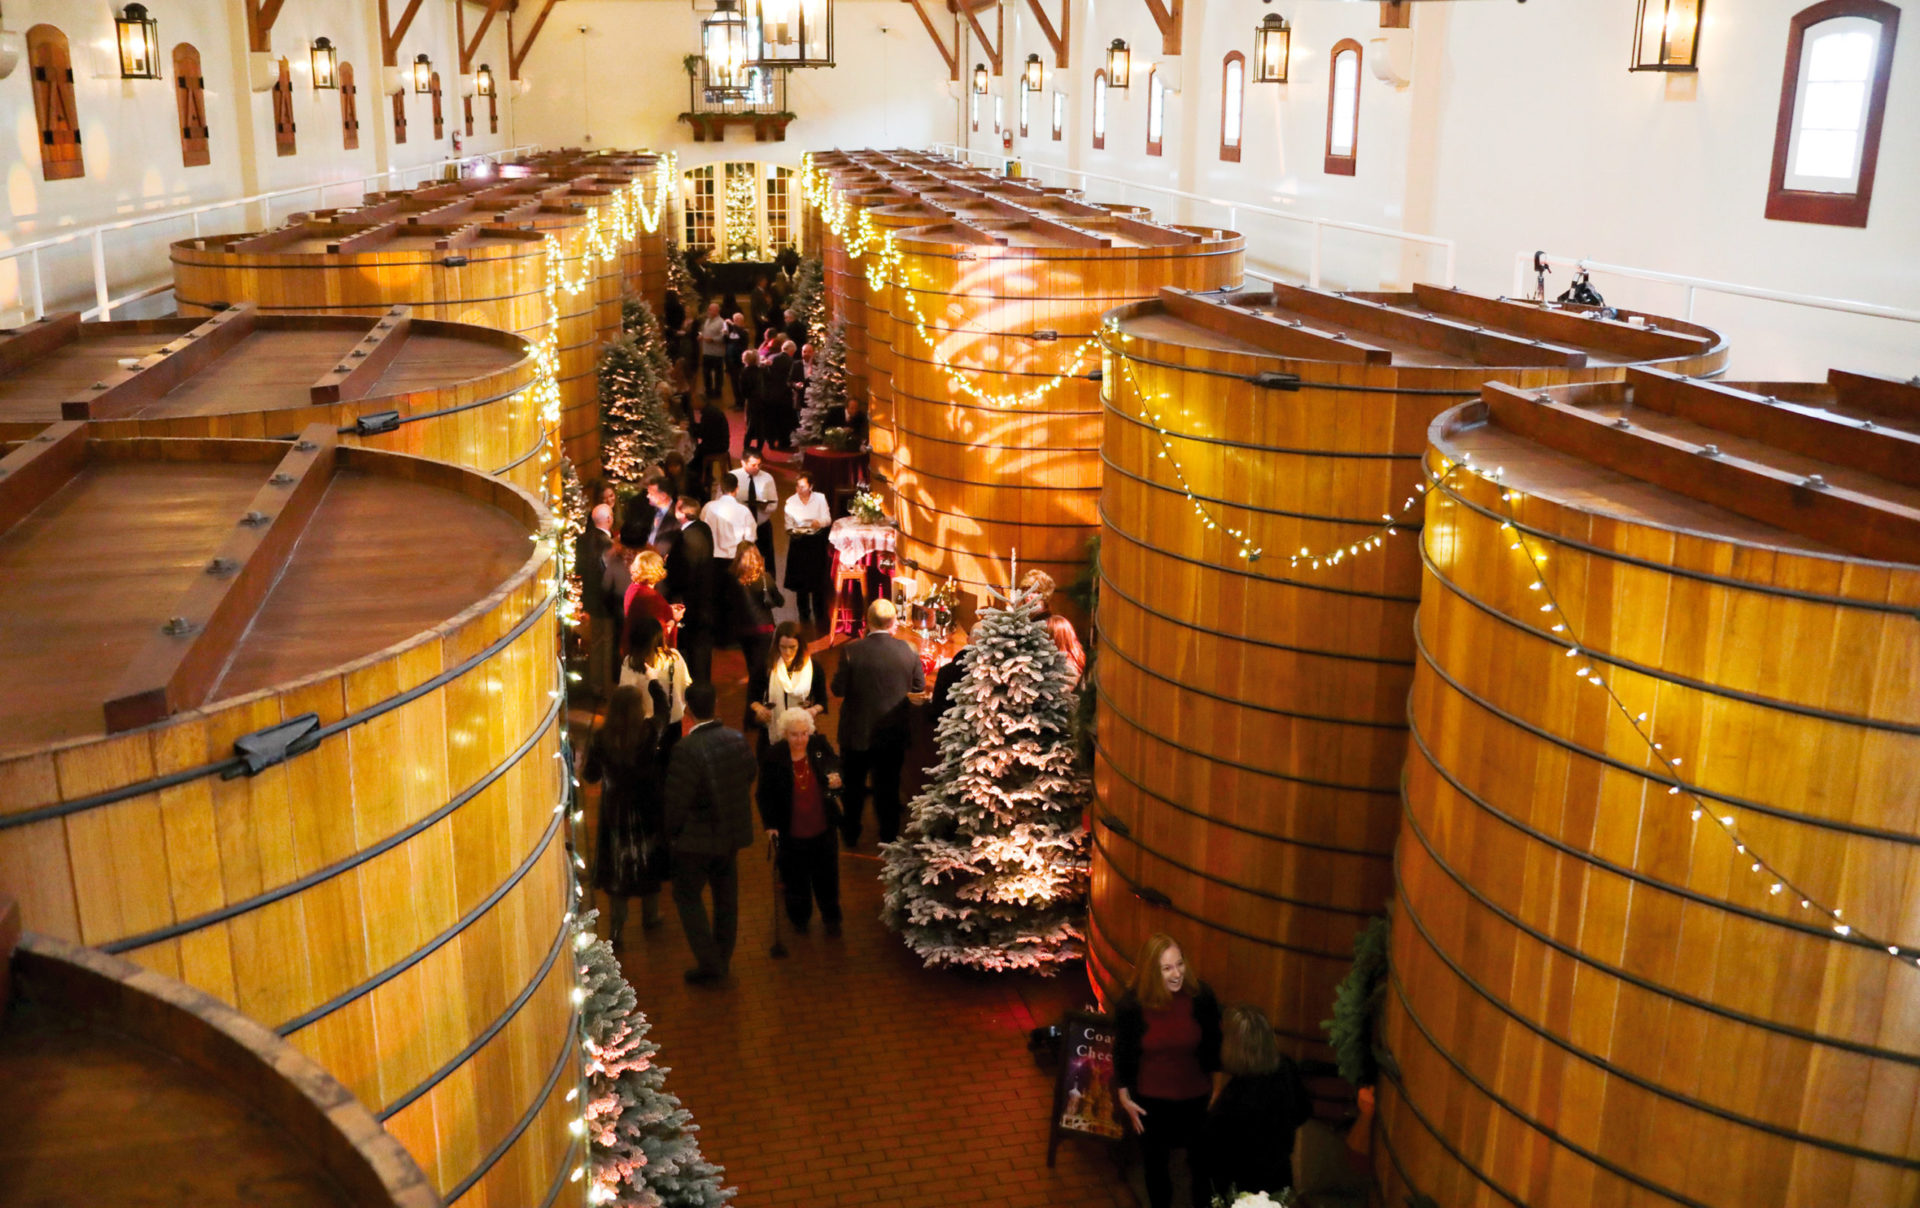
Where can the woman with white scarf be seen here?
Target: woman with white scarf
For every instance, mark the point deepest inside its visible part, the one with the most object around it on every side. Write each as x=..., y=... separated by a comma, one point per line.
x=793, y=680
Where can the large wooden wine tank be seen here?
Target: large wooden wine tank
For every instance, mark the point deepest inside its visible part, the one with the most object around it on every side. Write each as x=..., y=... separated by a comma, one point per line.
x=587, y=276
x=644, y=259
x=1252, y=711
x=449, y=391
x=845, y=274
x=996, y=411
x=1613, y=952
x=880, y=326
x=282, y=720
x=148, y=1091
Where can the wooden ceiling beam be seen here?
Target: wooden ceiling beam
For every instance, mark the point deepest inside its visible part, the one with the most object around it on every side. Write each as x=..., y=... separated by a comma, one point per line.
x=516, y=57
x=1059, y=36
x=391, y=34
x=261, y=14
x=996, y=46
x=1168, y=17
x=950, y=55
x=469, y=48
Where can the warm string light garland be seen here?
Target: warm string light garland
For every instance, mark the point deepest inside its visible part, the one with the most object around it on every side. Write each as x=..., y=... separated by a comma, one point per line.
x=858, y=237
x=1779, y=884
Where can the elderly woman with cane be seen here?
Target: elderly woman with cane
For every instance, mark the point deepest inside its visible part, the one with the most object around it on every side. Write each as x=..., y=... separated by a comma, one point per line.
x=799, y=801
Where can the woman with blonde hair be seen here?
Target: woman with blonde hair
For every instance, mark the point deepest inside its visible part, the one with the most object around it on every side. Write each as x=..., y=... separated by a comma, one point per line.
x=644, y=599
x=752, y=603
x=1039, y=586
x=1251, y=1125
x=1166, y=1058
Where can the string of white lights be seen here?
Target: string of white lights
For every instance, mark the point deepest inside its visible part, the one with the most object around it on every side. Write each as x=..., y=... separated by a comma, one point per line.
x=1723, y=818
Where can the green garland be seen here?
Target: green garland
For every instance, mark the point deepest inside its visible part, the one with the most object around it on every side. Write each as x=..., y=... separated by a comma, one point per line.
x=1356, y=1006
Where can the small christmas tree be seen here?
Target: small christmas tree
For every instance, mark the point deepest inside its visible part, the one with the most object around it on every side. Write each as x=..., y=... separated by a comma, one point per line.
x=742, y=203
x=637, y=320
x=991, y=870
x=826, y=389
x=809, y=296
x=644, y=1151
x=680, y=277
x=634, y=429
x=573, y=526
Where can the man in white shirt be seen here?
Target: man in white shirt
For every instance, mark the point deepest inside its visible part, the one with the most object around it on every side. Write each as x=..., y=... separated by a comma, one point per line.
x=731, y=523
x=713, y=352
x=759, y=494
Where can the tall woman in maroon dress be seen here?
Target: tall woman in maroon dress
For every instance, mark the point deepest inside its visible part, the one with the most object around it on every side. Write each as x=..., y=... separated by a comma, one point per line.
x=1166, y=1058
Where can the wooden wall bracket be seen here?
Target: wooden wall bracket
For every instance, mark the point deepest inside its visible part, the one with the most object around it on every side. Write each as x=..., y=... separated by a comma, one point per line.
x=995, y=46
x=952, y=56
x=469, y=48
x=261, y=14
x=1059, y=37
x=391, y=33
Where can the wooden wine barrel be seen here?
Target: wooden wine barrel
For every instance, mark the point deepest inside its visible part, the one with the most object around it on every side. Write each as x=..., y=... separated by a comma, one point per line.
x=1252, y=712
x=880, y=324
x=644, y=262
x=1008, y=306
x=154, y=1093
x=449, y=391
x=846, y=283
x=1613, y=958
x=282, y=720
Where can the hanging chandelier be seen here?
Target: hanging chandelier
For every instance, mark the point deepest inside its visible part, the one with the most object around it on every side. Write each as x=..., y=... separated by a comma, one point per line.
x=793, y=33
x=723, y=46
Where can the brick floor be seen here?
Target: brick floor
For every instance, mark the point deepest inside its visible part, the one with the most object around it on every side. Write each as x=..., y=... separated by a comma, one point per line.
x=846, y=1073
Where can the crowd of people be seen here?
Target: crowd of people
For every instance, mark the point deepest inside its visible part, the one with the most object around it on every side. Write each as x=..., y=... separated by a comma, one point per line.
x=685, y=568
x=1189, y=1076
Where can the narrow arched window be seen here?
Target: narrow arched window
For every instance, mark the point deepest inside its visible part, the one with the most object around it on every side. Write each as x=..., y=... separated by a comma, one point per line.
x=1833, y=100
x=1233, y=100
x=1059, y=115
x=1024, y=94
x=1343, y=108
x=1100, y=109
x=1156, y=112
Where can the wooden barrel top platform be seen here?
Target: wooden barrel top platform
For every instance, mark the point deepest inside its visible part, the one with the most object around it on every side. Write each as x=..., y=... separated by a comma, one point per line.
x=1666, y=718
x=146, y=1091
x=281, y=720
x=1009, y=307
x=1252, y=709
x=450, y=391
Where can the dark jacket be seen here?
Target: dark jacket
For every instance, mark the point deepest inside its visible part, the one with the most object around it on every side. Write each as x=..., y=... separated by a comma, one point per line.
x=773, y=381
x=711, y=436
x=590, y=564
x=1130, y=1029
x=693, y=577
x=775, y=789
x=669, y=526
x=1251, y=1128
x=797, y=332
x=750, y=607
x=615, y=580
x=753, y=381
x=875, y=675
x=945, y=681
x=709, y=791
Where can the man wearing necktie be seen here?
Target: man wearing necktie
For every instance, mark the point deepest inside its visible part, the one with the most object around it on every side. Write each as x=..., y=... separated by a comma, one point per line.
x=753, y=486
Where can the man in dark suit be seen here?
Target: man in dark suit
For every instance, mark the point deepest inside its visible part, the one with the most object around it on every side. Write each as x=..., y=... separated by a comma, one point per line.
x=590, y=566
x=663, y=526
x=693, y=581
x=878, y=675
x=709, y=818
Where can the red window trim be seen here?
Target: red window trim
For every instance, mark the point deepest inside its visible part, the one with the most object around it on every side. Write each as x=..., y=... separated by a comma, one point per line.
x=1025, y=107
x=1155, y=145
x=1831, y=209
x=1343, y=165
x=1230, y=153
x=1099, y=119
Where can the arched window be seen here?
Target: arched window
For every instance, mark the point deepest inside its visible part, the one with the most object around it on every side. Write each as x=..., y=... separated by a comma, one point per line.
x=973, y=109
x=1024, y=94
x=1233, y=102
x=1156, y=112
x=1100, y=109
x=1832, y=102
x=1343, y=108
x=1059, y=114
x=999, y=113
x=700, y=205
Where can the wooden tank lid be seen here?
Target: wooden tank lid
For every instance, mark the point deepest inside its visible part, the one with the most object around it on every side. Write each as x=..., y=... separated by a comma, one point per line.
x=141, y=577
x=236, y=361
x=1831, y=469
x=1034, y=232
x=1427, y=327
x=128, y=1087
x=319, y=239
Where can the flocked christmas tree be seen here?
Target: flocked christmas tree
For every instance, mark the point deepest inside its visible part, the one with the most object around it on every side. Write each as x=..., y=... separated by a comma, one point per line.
x=635, y=431
x=990, y=871
x=808, y=304
x=743, y=239
x=638, y=320
x=645, y=1154
x=826, y=398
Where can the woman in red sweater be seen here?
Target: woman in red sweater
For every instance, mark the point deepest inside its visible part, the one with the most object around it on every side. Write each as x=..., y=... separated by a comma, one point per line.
x=1166, y=1058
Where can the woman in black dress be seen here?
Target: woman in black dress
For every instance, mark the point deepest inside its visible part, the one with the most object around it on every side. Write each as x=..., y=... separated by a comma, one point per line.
x=1251, y=1125
x=629, y=852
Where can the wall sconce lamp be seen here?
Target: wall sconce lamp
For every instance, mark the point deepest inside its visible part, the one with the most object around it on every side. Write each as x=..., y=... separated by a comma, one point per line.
x=1666, y=37
x=483, y=81
x=980, y=78
x=1035, y=79
x=1272, y=47
x=326, y=64
x=422, y=73
x=139, y=38
x=1119, y=65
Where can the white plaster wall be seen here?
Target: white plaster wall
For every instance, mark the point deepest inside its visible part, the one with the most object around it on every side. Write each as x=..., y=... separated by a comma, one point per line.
x=1521, y=129
x=131, y=142
x=621, y=84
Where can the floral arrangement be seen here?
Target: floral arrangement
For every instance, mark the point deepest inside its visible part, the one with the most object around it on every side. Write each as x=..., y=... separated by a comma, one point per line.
x=865, y=507
x=1257, y=1199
